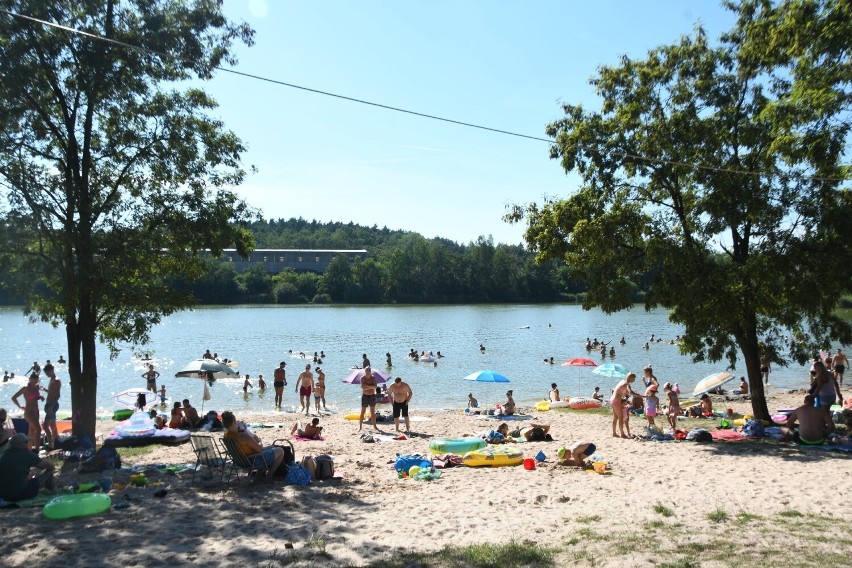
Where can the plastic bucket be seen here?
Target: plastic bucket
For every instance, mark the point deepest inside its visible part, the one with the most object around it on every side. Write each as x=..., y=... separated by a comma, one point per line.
x=529, y=463
x=600, y=467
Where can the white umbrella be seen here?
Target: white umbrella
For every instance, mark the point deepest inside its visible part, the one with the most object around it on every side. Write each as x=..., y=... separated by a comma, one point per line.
x=710, y=382
x=205, y=366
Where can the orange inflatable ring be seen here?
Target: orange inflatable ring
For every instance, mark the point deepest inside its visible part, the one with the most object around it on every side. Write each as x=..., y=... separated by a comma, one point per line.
x=581, y=403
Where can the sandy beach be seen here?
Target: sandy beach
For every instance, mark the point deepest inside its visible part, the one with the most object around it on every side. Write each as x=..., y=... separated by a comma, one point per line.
x=657, y=500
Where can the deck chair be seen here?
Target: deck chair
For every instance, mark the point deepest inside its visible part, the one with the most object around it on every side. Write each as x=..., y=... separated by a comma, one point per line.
x=207, y=454
x=239, y=461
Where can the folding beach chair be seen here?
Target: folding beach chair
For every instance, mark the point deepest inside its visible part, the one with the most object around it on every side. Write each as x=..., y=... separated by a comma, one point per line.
x=238, y=460
x=207, y=454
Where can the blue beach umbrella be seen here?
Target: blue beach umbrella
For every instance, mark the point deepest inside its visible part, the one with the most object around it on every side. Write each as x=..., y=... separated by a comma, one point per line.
x=487, y=377
x=611, y=370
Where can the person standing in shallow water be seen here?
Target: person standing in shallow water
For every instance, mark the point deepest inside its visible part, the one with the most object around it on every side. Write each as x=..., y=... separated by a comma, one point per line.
x=279, y=381
x=305, y=388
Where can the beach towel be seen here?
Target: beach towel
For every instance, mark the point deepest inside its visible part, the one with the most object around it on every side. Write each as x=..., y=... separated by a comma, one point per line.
x=729, y=436
x=302, y=439
x=505, y=418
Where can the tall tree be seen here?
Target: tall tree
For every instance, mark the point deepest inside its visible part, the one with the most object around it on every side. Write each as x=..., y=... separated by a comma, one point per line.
x=116, y=178
x=717, y=171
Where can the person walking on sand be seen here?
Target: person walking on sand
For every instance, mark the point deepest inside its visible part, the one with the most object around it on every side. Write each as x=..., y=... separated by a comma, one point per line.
x=305, y=387
x=368, y=398
x=839, y=362
x=279, y=381
x=151, y=376
x=319, y=390
x=620, y=414
x=51, y=406
x=765, y=369
x=400, y=395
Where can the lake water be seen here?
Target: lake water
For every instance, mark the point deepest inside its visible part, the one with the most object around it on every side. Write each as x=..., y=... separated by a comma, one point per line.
x=517, y=338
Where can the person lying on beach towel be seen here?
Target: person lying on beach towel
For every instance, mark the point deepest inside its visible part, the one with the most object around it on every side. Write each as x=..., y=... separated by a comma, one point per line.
x=312, y=431
x=533, y=433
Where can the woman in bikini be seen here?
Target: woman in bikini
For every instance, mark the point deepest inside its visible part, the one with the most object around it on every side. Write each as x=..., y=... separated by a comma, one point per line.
x=32, y=396
x=619, y=409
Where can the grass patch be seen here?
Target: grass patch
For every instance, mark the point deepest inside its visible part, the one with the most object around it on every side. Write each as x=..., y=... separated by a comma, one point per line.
x=718, y=516
x=588, y=534
x=511, y=555
x=661, y=509
x=657, y=524
x=743, y=518
x=681, y=563
x=134, y=452
x=791, y=513
x=588, y=519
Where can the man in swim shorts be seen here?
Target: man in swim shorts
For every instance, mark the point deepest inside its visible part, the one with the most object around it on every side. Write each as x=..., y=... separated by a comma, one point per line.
x=839, y=363
x=814, y=423
x=305, y=386
x=279, y=381
x=368, y=398
x=51, y=405
x=400, y=395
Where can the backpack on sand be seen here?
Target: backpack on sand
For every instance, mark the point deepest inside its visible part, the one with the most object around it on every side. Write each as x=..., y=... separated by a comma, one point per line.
x=325, y=467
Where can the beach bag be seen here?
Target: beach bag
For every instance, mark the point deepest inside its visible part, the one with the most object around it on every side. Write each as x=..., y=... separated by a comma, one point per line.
x=297, y=475
x=699, y=435
x=405, y=462
x=105, y=458
x=325, y=467
x=754, y=428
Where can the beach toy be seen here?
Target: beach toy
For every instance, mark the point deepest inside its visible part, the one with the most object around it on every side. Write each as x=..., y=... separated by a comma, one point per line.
x=779, y=418
x=458, y=446
x=122, y=414
x=724, y=423
x=352, y=417
x=415, y=469
x=138, y=480
x=540, y=456
x=559, y=404
x=543, y=406
x=78, y=505
x=494, y=456
x=599, y=467
x=582, y=403
x=529, y=464
x=561, y=453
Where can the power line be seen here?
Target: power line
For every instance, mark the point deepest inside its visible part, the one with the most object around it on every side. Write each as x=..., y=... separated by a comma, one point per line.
x=625, y=155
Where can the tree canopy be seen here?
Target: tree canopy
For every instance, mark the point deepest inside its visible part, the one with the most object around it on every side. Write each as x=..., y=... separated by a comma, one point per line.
x=115, y=176
x=716, y=171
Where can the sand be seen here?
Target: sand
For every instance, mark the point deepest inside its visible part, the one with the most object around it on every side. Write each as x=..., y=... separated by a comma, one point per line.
x=365, y=516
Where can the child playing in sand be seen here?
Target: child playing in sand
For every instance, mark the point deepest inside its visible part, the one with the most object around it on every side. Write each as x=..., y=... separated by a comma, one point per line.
x=652, y=403
x=674, y=406
x=472, y=402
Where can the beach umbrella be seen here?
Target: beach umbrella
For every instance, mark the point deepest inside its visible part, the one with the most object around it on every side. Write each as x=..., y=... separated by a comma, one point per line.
x=354, y=378
x=487, y=377
x=199, y=368
x=127, y=399
x=611, y=370
x=710, y=382
x=579, y=362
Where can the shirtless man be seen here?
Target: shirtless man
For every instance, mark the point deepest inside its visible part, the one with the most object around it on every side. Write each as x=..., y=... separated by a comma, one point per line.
x=839, y=363
x=400, y=395
x=814, y=423
x=51, y=405
x=151, y=376
x=533, y=433
x=319, y=389
x=305, y=386
x=312, y=431
x=368, y=397
x=279, y=381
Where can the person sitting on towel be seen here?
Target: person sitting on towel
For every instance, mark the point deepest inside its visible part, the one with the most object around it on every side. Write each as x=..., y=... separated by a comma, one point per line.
x=312, y=431
x=814, y=423
x=15, y=463
x=498, y=436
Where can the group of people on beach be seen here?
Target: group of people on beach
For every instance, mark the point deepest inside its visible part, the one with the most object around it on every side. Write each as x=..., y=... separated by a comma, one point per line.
x=28, y=397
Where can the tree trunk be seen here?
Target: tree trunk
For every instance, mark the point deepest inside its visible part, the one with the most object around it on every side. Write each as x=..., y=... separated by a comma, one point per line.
x=751, y=355
x=83, y=375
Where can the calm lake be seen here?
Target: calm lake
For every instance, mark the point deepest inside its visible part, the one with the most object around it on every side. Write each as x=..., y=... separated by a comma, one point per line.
x=517, y=339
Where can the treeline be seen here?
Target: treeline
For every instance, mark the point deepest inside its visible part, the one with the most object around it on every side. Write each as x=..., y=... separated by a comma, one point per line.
x=402, y=267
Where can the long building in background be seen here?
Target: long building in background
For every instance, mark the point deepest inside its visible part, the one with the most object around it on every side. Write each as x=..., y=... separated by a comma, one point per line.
x=300, y=260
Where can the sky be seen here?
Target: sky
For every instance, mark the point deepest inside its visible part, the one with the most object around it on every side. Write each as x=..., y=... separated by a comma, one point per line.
x=505, y=65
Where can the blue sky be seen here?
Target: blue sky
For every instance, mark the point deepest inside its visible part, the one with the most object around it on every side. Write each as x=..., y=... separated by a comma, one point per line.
x=505, y=65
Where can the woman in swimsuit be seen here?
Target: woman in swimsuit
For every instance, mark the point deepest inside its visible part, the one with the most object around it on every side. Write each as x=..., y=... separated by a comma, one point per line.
x=32, y=396
x=619, y=409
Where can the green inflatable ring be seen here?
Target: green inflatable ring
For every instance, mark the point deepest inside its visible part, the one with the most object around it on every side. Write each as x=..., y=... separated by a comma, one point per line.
x=77, y=505
x=459, y=446
x=122, y=414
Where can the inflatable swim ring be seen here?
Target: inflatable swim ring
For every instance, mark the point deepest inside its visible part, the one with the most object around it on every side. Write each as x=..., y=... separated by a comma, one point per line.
x=581, y=403
x=122, y=414
x=560, y=404
x=352, y=417
x=543, y=406
x=79, y=505
x=494, y=456
x=779, y=418
x=459, y=446
x=428, y=359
